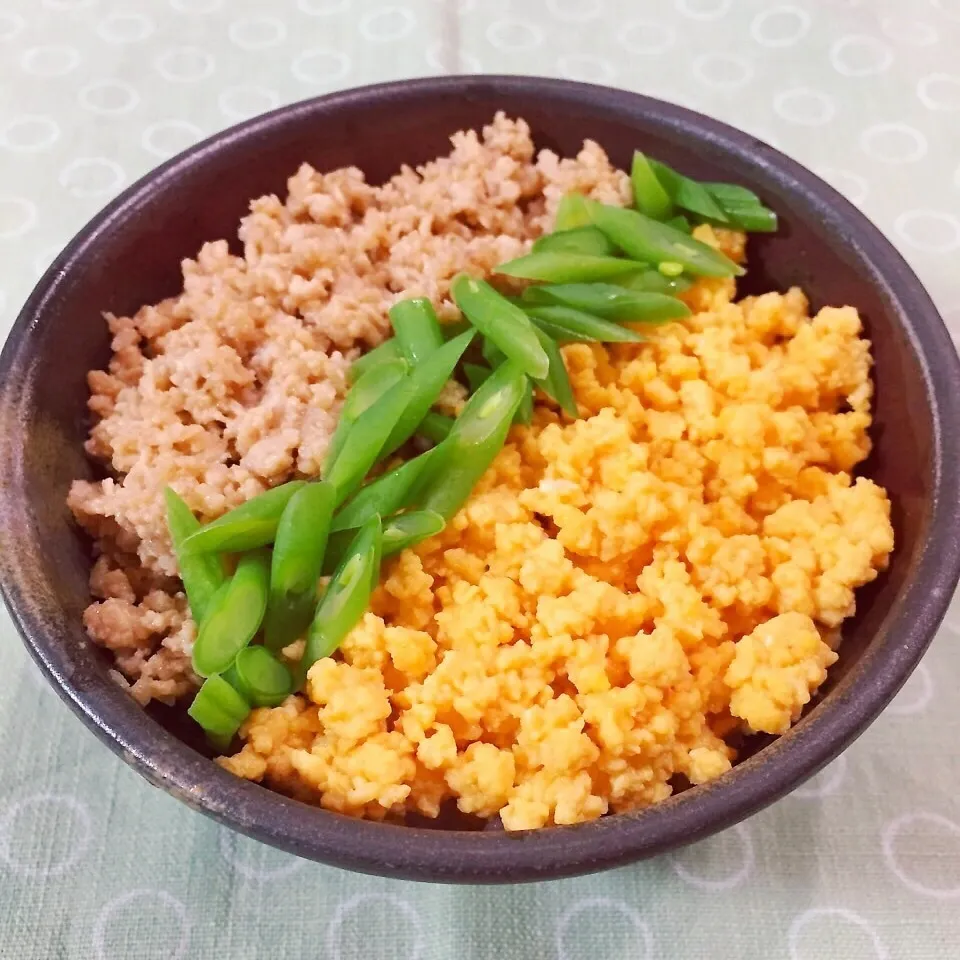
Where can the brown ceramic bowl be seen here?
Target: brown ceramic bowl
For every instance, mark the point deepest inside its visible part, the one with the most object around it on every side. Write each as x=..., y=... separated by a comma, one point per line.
x=130, y=254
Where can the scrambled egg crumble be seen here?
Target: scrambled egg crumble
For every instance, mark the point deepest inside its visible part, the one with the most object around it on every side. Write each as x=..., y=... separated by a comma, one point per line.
x=621, y=592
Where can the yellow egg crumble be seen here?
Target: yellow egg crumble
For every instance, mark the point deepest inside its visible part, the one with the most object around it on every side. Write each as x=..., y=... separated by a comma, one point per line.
x=621, y=592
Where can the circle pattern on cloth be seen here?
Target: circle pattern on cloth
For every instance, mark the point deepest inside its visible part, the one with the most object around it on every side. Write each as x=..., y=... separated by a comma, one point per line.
x=197, y=6
x=257, y=33
x=66, y=5
x=257, y=861
x=893, y=143
x=347, y=935
x=614, y=923
x=29, y=134
x=323, y=8
x=17, y=217
x=11, y=26
x=514, y=36
x=932, y=231
x=950, y=8
x=647, y=37
x=51, y=60
x=940, y=91
x=582, y=66
x=321, y=66
x=166, y=138
x=108, y=97
x=35, y=842
x=827, y=782
x=852, y=938
x=704, y=9
x=387, y=24
x=915, y=32
x=436, y=58
x=916, y=693
x=138, y=923
x=242, y=102
x=780, y=26
x=724, y=70
x=930, y=864
x=854, y=187
x=805, y=106
x=185, y=64
x=92, y=177
x=575, y=11
x=125, y=28
x=859, y=55
x=696, y=864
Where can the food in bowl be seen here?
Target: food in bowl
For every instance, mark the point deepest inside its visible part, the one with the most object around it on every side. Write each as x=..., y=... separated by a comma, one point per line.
x=655, y=564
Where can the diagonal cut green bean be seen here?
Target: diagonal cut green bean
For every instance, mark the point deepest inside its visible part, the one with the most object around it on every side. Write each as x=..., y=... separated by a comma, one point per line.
x=295, y=567
x=524, y=414
x=654, y=281
x=732, y=193
x=425, y=384
x=572, y=212
x=385, y=495
x=399, y=532
x=260, y=677
x=234, y=615
x=688, y=194
x=565, y=324
x=645, y=239
x=476, y=375
x=557, y=266
x=252, y=524
x=556, y=384
x=435, y=427
x=502, y=322
x=416, y=328
x=649, y=195
x=587, y=240
x=364, y=394
x=610, y=302
x=202, y=574
x=388, y=350
x=490, y=351
x=477, y=436
x=220, y=710
x=346, y=597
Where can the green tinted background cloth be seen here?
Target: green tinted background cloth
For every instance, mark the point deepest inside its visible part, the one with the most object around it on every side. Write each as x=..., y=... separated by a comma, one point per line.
x=862, y=862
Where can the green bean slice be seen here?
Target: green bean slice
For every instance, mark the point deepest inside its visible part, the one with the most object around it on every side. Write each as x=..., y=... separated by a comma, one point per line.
x=388, y=350
x=416, y=328
x=220, y=710
x=611, y=302
x=649, y=195
x=556, y=384
x=399, y=532
x=587, y=240
x=563, y=267
x=646, y=239
x=234, y=615
x=346, y=597
x=435, y=427
x=653, y=281
x=732, y=193
x=295, y=567
x=202, y=574
x=688, y=194
x=503, y=322
x=385, y=495
x=260, y=677
x=476, y=375
x=477, y=437
x=253, y=524
x=572, y=212
x=426, y=383
x=567, y=324
x=368, y=389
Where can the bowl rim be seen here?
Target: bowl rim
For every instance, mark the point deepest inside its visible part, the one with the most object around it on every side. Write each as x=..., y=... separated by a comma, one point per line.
x=497, y=856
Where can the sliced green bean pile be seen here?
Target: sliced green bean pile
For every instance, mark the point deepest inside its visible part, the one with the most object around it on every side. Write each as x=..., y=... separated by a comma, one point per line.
x=306, y=555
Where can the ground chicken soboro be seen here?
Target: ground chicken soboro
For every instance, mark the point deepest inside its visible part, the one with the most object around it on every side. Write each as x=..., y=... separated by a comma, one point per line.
x=620, y=593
